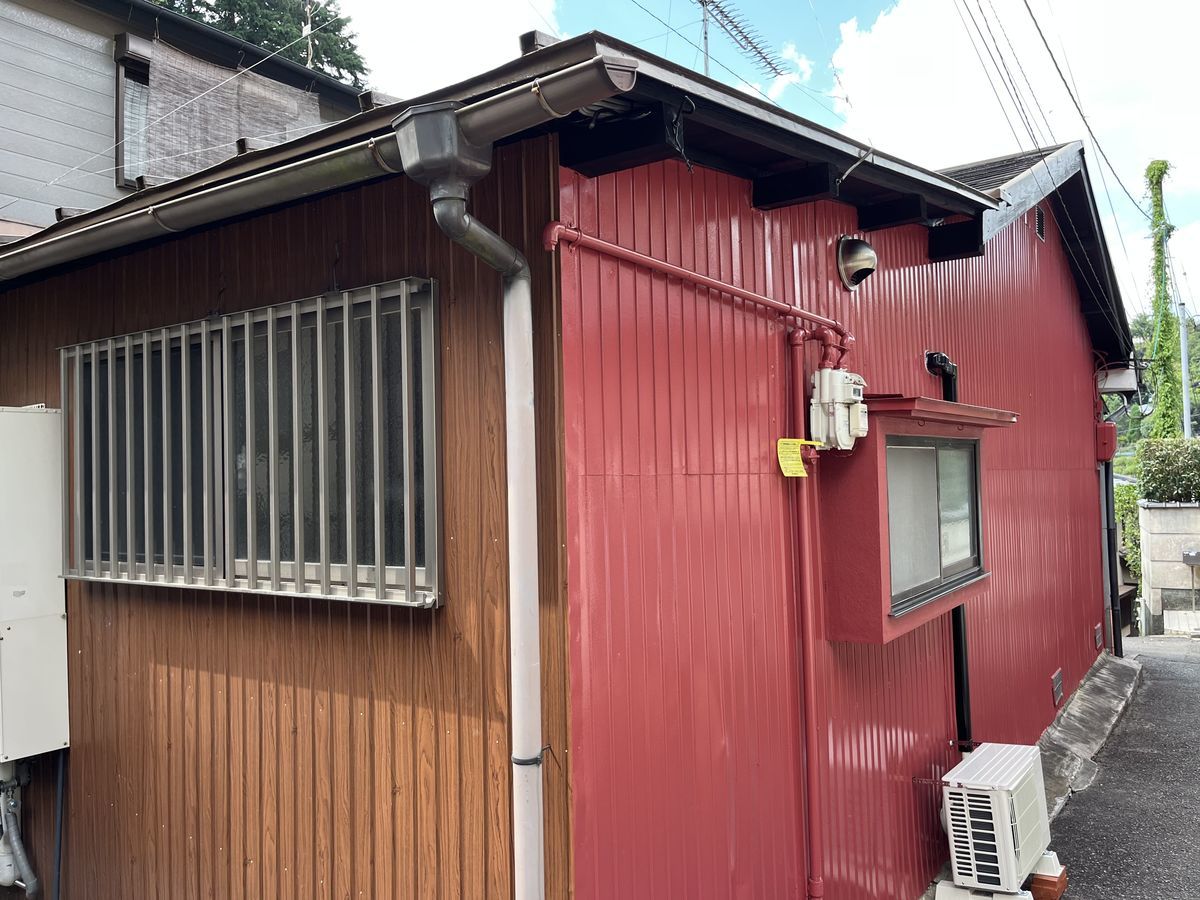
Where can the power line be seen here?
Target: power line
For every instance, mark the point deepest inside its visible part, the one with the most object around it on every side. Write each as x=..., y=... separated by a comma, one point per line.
x=813, y=94
x=554, y=31
x=987, y=74
x=238, y=74
x=837, y=75
x=1018, y=100
x=1137, y=288
x=1079, y=109
x=288, y=135
x=744, y=36
x=1014, y=95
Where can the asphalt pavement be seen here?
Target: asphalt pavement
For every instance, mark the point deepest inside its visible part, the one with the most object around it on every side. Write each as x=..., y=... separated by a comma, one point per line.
x=1134, y=833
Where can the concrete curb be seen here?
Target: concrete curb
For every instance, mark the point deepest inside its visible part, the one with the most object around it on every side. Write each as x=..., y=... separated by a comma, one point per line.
x=1082, y=727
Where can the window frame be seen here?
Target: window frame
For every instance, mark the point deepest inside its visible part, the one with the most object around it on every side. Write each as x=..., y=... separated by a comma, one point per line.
x=212, y=560
x=132, y=55
x=958, y=574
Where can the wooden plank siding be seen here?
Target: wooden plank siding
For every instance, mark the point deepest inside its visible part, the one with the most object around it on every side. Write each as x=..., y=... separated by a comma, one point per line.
x=226, y=745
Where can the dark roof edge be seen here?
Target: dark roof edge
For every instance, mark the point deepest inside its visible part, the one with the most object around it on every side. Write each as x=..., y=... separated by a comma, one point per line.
x=791, y=130
x=1020, y=194
x=371, y=123
x=217, y=46
x=667, y=72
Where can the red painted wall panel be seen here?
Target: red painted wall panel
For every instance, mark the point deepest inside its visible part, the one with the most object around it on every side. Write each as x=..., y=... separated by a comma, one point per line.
x=684, y=672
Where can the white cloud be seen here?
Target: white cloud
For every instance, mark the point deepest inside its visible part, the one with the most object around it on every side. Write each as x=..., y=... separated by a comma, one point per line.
x=802, y=73
x=413, y=48
x=916, y=89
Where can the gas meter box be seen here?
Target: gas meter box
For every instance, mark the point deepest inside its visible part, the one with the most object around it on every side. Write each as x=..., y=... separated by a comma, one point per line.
x=837, y=413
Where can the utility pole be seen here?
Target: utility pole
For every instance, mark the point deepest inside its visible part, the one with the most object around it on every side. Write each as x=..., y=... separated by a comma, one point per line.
x=704, y=31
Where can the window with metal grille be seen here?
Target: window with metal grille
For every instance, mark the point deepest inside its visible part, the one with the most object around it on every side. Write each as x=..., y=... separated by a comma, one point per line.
x=276, y=450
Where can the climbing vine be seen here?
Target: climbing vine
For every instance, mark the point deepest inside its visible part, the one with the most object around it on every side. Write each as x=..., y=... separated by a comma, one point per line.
x=1167, y=418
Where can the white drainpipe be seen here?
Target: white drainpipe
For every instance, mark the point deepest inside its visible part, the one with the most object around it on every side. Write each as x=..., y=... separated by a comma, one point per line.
x=448, y=147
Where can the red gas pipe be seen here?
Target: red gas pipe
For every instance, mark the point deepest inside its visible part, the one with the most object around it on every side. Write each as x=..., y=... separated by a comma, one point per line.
x=557, y=232
x=836, y=342
x=808, y=596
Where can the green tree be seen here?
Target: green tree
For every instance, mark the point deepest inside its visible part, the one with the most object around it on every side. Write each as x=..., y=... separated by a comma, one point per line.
x=271, y=24
x=1167, y=418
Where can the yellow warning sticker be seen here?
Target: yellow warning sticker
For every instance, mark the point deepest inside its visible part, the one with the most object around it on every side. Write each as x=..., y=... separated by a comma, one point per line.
x=791, y=457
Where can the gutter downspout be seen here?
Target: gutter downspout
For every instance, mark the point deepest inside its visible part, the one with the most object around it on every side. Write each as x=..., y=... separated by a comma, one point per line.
x=1114, y=560
x=448, y=147
x=939, y=364
x=524, y=633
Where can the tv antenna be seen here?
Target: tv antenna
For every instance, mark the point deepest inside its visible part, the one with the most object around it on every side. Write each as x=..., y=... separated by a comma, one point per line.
x=742, y=33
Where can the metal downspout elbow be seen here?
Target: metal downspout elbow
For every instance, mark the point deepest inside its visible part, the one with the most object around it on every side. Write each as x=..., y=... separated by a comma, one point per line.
x=460, y=226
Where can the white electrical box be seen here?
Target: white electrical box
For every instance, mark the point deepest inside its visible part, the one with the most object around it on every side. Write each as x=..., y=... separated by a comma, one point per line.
x=33, y=623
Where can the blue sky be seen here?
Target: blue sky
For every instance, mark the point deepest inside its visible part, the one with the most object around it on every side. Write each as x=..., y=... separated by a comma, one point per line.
x=812, y=28
x=916, y=76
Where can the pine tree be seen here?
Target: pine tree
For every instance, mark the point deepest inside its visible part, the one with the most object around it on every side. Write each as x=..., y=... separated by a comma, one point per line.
x=272, y=24
x=1164, y=374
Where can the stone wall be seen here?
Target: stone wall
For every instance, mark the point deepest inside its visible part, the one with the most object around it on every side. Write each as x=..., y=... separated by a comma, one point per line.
x=1170, y=587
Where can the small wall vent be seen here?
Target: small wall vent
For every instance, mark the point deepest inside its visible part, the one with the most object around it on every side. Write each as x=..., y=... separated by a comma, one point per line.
x=1056, y=685
x=1099, y=636
x=1039, y=222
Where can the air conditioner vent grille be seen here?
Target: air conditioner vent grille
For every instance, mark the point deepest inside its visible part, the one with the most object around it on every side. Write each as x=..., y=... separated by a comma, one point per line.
x=996, y=816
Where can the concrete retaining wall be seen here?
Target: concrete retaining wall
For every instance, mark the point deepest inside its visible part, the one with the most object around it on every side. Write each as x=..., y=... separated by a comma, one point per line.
x=1170, y=587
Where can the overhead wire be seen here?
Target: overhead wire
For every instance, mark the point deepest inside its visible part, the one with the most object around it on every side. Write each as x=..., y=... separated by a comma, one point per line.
x=287, y=135
x=1107, y=305
x=813, y=95
x=1079, y=108
x=1142, y=307
x=238, y=74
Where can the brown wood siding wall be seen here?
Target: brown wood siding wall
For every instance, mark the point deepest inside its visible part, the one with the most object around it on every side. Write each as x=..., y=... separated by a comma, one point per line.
x=233, y=746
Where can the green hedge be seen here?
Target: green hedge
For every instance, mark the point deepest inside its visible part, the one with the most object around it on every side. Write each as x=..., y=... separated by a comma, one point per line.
x=1126, y=500
x=1170, y=469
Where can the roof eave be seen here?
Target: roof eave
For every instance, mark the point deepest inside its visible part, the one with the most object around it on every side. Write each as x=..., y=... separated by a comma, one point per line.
x=218, y=46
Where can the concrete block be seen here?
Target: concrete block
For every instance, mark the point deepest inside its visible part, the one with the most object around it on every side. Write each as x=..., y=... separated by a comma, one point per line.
x=1182, y=519
x=1165, y=574
x=1168, y=547
x=1179, y=600
x=1180, y=621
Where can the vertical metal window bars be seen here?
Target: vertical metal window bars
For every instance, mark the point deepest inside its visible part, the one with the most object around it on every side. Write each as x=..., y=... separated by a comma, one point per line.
x=276, y=450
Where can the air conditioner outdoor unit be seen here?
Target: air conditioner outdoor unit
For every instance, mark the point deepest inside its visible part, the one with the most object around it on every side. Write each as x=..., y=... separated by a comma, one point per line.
x=996, y=819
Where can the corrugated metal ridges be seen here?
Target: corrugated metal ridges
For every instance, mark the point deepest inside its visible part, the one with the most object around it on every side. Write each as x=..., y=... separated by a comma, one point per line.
x=684, y=690
x=684, y=669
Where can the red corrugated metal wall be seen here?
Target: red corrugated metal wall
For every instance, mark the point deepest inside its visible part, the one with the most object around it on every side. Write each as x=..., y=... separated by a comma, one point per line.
x=684, y=672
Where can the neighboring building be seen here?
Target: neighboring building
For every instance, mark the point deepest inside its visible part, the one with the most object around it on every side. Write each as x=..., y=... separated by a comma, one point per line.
x=80, y=81
x=746, y=681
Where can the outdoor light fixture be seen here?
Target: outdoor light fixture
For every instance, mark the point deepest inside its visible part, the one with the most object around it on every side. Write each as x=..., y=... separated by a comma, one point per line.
x=856, y=260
